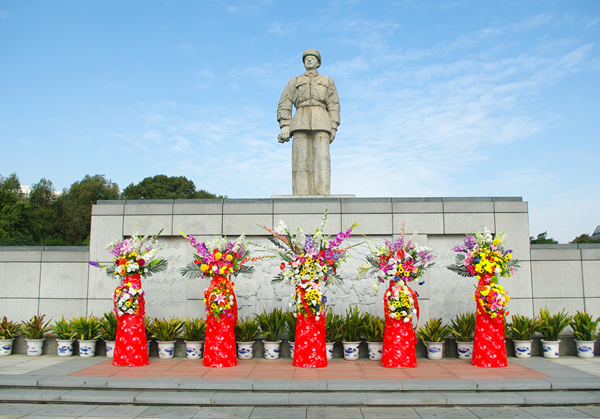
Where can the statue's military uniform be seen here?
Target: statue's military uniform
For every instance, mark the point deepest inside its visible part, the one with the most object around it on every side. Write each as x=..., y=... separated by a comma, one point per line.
x=313, y=127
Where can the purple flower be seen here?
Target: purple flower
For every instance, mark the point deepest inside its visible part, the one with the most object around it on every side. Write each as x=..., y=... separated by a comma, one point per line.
x=91, y=262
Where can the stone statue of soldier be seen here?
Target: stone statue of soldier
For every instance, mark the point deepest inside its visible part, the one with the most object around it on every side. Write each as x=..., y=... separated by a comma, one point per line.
x=313, y=126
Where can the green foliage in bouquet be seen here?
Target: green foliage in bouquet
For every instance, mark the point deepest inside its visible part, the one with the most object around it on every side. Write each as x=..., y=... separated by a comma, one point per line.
x=272, y=324
x=9, y=329
x=246, y=330
x=552, y=326
x=86, y=328
x=166, y=330
x=194, y=330
x=63, y=329
x=584, y=327
x=290, y=325
x=373, y=328
x=462, y=327
x=35, y=328
x=333, y=323
x=522, y=327
x=433, y=331
x=352, y=325
x=108, y=327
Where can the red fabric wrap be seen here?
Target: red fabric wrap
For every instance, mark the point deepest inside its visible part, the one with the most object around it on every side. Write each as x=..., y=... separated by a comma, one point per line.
x=131, y=346
x=219, y=345
x=309, y=349
x=399, y=340
x=489, y=350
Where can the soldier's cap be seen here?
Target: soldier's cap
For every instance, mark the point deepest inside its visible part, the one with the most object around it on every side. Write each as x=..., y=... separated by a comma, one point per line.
x=312, y=52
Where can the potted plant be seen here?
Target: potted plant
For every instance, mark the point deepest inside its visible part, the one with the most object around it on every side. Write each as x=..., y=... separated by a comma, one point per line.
x=584, y=331
x=108, y=332
x=35, y=331
x=148, y=326
x=272, y=326
x=193, y=334
x=462, y=328
x=290, y=329
x=373, y=331
x=432, y=334
x=8, y=332
x=521, y=330
x=87, y=331
x=333, y=324
x=550, y=328
x=64, y=337
x=351, y=328
x=245, y=333
x=166, y=331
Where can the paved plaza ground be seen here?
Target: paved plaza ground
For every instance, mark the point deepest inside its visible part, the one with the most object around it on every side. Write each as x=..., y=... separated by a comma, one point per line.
x=53, y=387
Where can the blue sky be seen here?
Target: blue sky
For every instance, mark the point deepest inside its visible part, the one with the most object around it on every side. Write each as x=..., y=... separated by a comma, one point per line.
x=438, y=98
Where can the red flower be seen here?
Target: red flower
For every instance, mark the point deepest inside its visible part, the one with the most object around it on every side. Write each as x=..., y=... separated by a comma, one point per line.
x=330, y=262
x=282, y=267
x=141, y=262
x=197, y=261
x=400, y=254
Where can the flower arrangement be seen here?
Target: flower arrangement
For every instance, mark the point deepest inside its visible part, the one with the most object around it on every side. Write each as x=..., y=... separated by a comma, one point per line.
x=309, y=257
x=397, y=260
x=492, y=299
x=219, y=299
x=313, y=297
x=127, y=297
x=134, y=256
x=401, y=305
x=483, y=254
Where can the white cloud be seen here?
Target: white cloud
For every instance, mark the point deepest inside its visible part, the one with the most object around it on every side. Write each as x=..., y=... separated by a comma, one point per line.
x=186, y=48
x=277, y=28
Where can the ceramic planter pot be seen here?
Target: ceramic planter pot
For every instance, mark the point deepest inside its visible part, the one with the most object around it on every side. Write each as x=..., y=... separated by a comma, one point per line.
x=523, y=348
x=87, y=348
x=272, y=349
x=550, y=348
x=292, y=349
x=64, y=347
x=34, y=346
x=465, y=350
x=245, y=350
x=351, y=350
x=585, y=349
x=375, y=350
x=110, y=348
x=435, y=350
x=329, y=349
x=194, y=350
x=6, y=346
x=166, y=350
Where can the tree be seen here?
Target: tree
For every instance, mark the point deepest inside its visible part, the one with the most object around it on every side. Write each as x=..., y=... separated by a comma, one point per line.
x=542, y=238
x=17, y=218
x=166, y=187
x=585, y=238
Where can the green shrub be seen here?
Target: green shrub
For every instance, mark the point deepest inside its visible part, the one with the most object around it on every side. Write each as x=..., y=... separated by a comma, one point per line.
x=9, y=330
x=552, y=326
x=462, y=327
x=166, y=330
x=108, y=326
x=584, y=327
x=272, y=324
x=63, y=329
x=522, y=327
x=35, y=328
x=194, y=330
x=433, y=331
x=86, y=328
x=246, y=330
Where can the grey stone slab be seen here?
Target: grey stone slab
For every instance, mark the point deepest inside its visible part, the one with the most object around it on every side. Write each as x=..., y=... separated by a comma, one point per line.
x=216, y=384
x=149, y=207
x=145, y=382
x=334, y=412
x=16, y=410
x=367, y=206
x=247, y=206
x=99, y=396
x=171, y=412
x=54, y=277
x=370, y=224
x=591, y=278
x=499, y=412
x=547, y=275
x=234, y=225
x=421, y=223
x=583, y=383
x=289, y=385
x=487, y=398
x=555, y=254
x=148, y=224
x=389, y=412
x=593, y=411
x=444, y=412
x=469, y=206
x=18, y=309
x=237, y=412
x=590, y=253
x=113, y=411
x=309, y=222
x=24, y=254
x=364, y=385
x=278, y=412
x=68, y=382
x=328, y=399
x=198, y=224
x=306, y=206
x=64, y=410
x=463, y=223
x=174, y=398
x=117, y=209
x=24, y=395
x=406, y=399
x=438, y=385
x=417, y=207
x=560, y=398
x=28, y=285
x=198, y=206
x=513, y=385
x=66, y=254
x=7, y=380
x=104, y=230
x=224, y=398
x=510, y=206
x=554, y=412
x=55, y=308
